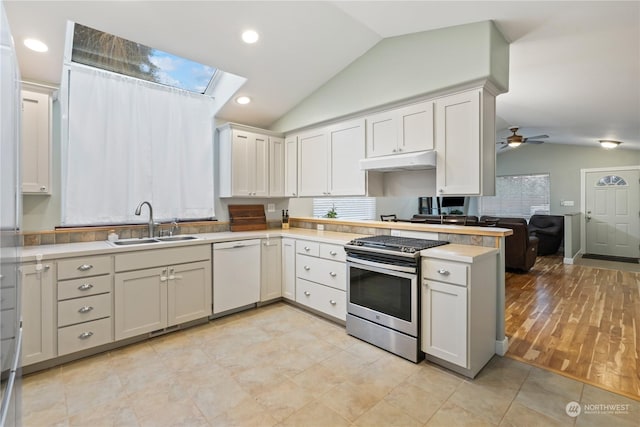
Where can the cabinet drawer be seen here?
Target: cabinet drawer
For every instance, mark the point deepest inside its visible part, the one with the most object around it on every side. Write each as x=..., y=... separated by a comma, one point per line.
x=84, y=309
x=85, y=335
x=329, y=273
x=84, y=267
x=307, y=248
x=84, y=287
x=139, y=260
x=445, y=271
x=333, y=252
x=322, y=298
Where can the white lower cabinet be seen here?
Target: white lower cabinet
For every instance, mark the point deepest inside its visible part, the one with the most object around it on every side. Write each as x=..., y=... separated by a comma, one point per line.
x=236, y=274
x=271, y=269
x=321, y=281
x=458, y=310
x=38, y=322
x=174, y=292
x=289, y=269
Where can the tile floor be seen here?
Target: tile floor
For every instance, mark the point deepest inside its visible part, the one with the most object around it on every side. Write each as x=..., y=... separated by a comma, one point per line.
x=281, y=366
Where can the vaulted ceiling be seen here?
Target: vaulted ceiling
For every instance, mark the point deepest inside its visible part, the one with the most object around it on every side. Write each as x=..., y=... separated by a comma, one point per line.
x=574, y=66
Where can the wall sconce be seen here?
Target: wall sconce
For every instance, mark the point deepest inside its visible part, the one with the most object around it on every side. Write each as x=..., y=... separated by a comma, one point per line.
x=609, y=143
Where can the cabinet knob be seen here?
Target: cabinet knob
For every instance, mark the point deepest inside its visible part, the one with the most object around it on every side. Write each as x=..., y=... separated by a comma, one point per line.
x=85, y=267
x=307, y=293
x=85, y=335
x=43, y=188
x=85, y=309
x=441, y=191
x=332, y=274
x=399, y=149
x=85, y=287
x=332, y=302
x=394, y=150
x=307, y=248
x=333, y=253
x=443, y=272
x=307, y=268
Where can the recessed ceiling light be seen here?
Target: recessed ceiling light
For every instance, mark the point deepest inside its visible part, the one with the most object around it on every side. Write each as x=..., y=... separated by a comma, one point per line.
x=36, y=45
x=243, y=100
x=250, y=36
x=609, y=143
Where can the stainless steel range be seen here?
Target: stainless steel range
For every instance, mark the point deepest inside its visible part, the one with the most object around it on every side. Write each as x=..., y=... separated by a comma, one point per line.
x=383, y=292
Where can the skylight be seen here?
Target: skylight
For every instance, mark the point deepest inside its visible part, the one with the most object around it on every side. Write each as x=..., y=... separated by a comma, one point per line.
x=108, y=52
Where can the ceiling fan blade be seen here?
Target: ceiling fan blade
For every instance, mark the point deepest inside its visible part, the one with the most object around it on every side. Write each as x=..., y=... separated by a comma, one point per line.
x=529, y=141
x=504, y=146
x=536, y=137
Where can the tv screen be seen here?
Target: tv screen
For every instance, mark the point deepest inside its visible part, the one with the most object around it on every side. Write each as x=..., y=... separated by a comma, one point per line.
x=447, y=202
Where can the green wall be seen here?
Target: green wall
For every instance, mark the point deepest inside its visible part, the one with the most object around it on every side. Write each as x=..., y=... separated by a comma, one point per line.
x=405, y=67
x=563, y=163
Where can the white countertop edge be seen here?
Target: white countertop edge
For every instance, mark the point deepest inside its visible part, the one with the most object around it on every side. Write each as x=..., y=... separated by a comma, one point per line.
x=461, y=253
x=102, y=247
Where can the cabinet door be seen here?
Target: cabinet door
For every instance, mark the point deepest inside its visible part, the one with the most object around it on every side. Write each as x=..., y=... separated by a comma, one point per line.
x=242, y=156
x=140, y=302
x=289, y=269
x=271, y=282
x=291, y=167
x=416, y=127
x=38, y=323
x=314, y=164
x=258, y=166
x=382, y=134
x=189, y=292
x=346, y=149
x=444, y=322
x=36, y=137
x=276, y=167
x=458, y=144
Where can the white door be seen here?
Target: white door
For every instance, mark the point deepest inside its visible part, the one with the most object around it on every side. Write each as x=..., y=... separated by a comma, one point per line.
x=612, y=202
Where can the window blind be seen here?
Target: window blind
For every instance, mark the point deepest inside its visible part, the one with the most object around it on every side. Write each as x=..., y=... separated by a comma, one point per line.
x=518, y=196
x=346, y=207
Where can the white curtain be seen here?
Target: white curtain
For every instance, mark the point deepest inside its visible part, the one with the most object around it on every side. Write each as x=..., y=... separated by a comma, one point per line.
x=127, y=141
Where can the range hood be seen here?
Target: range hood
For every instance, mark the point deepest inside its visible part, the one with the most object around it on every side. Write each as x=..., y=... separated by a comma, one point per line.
x=399, y=162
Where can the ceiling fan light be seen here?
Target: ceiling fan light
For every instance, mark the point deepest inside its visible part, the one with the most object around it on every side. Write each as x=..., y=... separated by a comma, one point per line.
x=609, y=143
x=514, y=144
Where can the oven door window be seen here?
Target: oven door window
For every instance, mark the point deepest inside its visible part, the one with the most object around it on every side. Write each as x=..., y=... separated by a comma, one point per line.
x=381, y=292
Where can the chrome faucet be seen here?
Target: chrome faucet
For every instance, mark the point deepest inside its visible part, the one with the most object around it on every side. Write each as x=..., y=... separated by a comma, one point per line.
x=151, y=223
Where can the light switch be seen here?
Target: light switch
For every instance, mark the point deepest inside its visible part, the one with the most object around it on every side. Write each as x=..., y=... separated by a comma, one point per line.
x=567, y=203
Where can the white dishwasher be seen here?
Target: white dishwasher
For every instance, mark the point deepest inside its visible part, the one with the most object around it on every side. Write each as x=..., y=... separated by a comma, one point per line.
x=236, y=274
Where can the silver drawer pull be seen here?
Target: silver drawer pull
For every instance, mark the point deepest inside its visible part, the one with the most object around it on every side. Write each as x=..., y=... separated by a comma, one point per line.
x=85, y=335
x=307, y=293
x=332, y=274
x=307, y=268
x=332, y=302
x=85, y=309
x=333, y=253
x=307, y=248
x=443, y=272
x=85, y=267
x=85, y=287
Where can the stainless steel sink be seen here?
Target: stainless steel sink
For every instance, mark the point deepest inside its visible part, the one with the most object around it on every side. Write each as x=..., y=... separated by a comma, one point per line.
x=127, y=242
x=176, y=238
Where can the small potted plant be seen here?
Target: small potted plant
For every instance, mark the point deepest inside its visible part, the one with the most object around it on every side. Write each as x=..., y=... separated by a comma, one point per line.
x=331, y=213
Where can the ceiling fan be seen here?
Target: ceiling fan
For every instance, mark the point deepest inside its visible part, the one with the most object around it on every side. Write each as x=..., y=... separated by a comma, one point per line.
x=515, y=140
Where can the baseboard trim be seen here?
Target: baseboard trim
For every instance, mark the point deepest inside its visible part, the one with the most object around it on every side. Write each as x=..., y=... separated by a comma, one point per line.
x=502, y=346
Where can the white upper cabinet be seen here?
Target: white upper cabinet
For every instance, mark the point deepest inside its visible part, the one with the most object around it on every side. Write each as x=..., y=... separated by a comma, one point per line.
x=291, y=166
x=251, y=163
x=328, y=160
x=346, y=148
x=401, y=130
x=36, y=142
x=276, y=166
x=465, y=144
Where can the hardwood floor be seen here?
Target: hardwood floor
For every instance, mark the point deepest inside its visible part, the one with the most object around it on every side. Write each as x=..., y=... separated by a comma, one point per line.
x=580, y=321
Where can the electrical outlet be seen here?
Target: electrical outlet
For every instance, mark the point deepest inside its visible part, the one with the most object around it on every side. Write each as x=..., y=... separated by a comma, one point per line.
x=320, y=227
x=567, y=203
x=271, y=207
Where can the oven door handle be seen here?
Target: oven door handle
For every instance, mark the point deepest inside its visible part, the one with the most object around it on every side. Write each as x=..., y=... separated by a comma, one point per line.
x=403, y=269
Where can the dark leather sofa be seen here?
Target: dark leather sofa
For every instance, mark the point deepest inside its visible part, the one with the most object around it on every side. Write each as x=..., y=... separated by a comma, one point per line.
x=549, y=229
x=521, y=248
